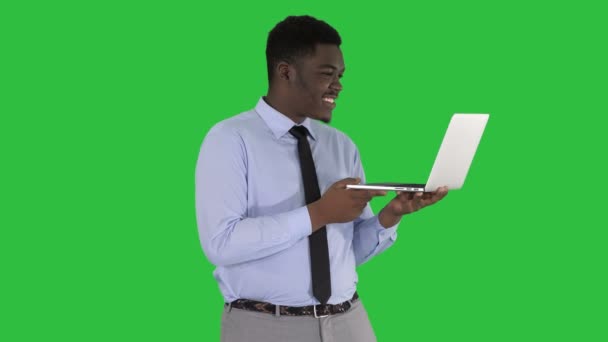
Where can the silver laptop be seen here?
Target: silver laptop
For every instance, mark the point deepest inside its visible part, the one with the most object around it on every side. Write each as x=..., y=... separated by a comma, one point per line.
x=453, y=160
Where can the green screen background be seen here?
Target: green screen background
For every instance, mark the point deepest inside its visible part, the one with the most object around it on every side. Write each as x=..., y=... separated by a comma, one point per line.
x=104, y=105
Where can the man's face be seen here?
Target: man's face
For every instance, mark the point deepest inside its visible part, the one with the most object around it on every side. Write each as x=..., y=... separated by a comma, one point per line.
x=316, y=84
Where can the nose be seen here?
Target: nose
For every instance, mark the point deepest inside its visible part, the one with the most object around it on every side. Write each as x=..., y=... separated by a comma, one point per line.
x=336, y=84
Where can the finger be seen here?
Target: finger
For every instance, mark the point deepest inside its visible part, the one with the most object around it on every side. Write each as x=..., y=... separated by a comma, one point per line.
x=410, y=197
x=427, y=195
x=369, y=194
x=360, y=194
x=406, y=196
x=402, y=197
x=415, y=197
x=440, y=193
x=437, y=196
x=442, y=190
x=419, y=204
x=411, y=206
x=375, y=193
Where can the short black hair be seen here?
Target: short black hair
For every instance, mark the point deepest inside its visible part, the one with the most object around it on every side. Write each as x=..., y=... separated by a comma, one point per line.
x=297, y=36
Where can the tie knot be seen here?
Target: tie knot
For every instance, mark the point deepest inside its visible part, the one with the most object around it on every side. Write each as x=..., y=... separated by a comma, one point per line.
x=299, y=132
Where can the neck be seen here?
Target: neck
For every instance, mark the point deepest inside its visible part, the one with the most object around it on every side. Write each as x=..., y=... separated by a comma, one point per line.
x=279, y=103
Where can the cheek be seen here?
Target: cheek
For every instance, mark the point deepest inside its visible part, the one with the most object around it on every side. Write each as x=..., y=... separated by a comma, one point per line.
x=307, y=88
x=321, y=89
x=314, y=93
x=317, y=85
x=313, y=90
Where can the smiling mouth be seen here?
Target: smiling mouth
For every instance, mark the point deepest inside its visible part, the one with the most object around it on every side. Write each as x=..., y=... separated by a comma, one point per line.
x=329, y=100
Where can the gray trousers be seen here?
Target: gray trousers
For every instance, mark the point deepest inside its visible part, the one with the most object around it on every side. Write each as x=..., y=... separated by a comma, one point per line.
x=250, y=326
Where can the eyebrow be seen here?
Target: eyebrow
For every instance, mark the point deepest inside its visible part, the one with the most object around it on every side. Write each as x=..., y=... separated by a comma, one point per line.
x=324, y=66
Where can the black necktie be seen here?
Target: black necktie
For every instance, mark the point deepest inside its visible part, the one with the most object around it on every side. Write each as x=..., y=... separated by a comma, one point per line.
x=319, y=253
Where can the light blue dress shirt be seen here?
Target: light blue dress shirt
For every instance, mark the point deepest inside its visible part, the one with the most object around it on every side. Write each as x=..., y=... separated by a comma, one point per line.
x=252, y=217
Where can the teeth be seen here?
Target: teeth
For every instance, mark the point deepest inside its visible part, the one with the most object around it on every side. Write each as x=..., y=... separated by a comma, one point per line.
x=328, y=99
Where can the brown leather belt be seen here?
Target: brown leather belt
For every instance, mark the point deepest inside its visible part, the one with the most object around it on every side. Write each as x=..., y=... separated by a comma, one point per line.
x=318, y=311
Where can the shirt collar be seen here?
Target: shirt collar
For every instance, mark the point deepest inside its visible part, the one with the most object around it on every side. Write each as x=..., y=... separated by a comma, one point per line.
x=278, y=122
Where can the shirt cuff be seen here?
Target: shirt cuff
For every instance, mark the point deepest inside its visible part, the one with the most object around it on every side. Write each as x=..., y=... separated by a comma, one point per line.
x=299, y=223
x=385, y=233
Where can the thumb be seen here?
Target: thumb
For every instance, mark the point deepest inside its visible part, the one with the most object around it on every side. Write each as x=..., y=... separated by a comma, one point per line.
x=344, y=182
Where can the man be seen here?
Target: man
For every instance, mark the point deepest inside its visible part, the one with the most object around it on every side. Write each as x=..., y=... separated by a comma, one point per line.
x=286, y=255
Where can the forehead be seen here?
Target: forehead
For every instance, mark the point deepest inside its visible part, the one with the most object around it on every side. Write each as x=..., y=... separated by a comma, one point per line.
x=326, y=54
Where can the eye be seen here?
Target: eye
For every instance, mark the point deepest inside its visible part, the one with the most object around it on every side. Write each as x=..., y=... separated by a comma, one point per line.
x=328, y=73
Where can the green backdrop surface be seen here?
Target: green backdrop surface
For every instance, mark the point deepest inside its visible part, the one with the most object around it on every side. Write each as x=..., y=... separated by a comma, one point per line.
x=104, y=105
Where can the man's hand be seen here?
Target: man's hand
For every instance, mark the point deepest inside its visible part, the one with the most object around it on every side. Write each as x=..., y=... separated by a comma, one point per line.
x=340, y=204
x=408, y=202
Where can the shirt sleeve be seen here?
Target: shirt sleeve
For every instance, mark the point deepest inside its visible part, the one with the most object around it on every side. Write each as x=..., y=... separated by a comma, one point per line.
x=226, y=234
x=370, y=238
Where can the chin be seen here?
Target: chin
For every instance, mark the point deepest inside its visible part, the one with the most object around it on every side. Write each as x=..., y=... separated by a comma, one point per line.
x=321, y=114
x=325, y=116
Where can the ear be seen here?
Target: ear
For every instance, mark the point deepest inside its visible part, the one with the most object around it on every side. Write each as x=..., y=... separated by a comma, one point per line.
x=284, y=71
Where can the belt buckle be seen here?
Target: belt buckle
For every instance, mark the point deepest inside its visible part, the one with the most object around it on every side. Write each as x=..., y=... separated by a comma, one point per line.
x=314, y=309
